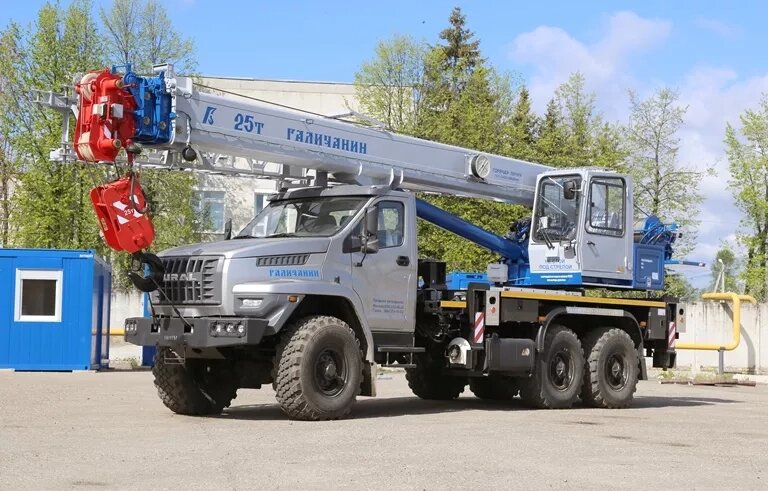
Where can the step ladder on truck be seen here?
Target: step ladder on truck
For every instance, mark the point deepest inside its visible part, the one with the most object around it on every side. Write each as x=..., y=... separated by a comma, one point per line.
x=325, y=283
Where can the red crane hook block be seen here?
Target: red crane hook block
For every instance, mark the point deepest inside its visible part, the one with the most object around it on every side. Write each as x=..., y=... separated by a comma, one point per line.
x=123, y=219
x=105, y=120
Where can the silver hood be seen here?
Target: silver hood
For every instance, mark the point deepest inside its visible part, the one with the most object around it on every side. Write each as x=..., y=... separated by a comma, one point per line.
x=243, y=248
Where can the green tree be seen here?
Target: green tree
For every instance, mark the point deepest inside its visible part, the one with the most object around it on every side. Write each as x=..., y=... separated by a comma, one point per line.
x=522, y=128
x=747, y=151
x=573, y=133
x=676, y=285
x=9, y=128
x=662, y=186
x=579, y=116
x=140, y=32
x=467, y=103
x=550, y=146
x=52, y=196
x=389, y=85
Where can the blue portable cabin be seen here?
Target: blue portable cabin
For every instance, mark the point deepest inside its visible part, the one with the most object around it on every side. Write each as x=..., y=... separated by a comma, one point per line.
x=54, y=309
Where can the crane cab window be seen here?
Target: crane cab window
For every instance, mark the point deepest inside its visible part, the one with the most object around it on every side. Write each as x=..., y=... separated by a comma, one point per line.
x=607, y=206
x=557, y=208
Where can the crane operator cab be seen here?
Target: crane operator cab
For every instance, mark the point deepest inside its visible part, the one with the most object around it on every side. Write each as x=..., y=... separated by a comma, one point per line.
x=582, y=233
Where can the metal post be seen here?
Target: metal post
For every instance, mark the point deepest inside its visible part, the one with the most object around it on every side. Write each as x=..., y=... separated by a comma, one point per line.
x=720, y=361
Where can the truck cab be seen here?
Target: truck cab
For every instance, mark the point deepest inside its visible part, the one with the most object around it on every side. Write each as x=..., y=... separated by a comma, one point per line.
x=348, y=252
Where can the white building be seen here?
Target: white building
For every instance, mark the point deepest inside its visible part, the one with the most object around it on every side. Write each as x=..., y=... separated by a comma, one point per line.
x=239, y=198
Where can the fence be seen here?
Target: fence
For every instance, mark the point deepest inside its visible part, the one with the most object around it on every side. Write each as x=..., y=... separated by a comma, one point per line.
x=710, y=322
x=125, y=303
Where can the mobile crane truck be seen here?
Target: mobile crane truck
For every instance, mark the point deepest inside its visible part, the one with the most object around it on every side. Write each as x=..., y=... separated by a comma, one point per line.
x=325, y=283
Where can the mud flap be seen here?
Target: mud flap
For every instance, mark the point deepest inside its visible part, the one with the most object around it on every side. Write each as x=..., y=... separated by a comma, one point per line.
x=368, y=387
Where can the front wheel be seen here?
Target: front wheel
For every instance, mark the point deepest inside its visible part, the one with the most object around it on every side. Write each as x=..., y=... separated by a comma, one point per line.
x=319, y=369
x=612, y=369
x=194, y=387
x=559, y=371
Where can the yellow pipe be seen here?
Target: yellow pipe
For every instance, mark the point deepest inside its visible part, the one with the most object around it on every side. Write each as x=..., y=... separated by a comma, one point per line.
x=736, y=299
x=113, y=331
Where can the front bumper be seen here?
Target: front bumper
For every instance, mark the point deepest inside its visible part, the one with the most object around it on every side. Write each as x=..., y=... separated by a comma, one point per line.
x=172, y=331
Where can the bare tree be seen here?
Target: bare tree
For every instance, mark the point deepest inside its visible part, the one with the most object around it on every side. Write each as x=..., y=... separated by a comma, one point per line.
x=662, y=186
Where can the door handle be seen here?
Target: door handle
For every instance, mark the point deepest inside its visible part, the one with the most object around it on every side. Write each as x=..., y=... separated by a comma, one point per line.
x=403, y=260
x=589, y=242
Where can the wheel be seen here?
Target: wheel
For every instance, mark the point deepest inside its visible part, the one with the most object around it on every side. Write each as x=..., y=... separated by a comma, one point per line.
x=319, y=369
x=494, y=388
x=611, y=369
x=428, y=381
x=195, y=387
x=558, y=373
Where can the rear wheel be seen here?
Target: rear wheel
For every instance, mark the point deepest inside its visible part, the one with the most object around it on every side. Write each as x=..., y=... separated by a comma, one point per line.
x=558, y=374
x=611, y=369
x=428, y=381
x=195, y=387
x=494, y=388
x=319, y=369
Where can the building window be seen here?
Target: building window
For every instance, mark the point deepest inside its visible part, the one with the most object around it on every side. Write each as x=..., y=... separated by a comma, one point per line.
x=209, y=206
x=258, y=203
x=38, y=295
x=606, y=206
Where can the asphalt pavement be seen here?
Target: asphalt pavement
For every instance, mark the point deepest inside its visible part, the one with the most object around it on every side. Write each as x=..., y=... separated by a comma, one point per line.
x=109, y=430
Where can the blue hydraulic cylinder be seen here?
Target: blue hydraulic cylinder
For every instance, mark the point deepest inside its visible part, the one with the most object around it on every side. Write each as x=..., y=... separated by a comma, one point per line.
x=462, y=228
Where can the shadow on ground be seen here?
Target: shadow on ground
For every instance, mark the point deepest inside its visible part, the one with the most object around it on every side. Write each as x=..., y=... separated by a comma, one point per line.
x=404, y=406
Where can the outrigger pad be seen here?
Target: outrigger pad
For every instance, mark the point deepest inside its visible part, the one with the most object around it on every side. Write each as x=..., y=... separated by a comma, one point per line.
x=124, y=220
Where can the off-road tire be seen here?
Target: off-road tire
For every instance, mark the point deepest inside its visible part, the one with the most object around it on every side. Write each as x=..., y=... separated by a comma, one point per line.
x=195, y=388
x=429, y=382
x=494, y=388
x=302, y=346
x=544, y=389
x=613, y=390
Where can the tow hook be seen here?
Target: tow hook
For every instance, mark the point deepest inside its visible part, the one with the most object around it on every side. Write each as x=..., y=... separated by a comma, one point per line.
x=152, y=263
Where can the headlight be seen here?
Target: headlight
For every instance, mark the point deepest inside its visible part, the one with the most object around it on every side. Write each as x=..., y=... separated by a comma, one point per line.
x=252, y=303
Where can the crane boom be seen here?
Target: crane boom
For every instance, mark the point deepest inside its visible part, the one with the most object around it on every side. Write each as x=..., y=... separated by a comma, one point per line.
x=349, y=152
x=578, y=234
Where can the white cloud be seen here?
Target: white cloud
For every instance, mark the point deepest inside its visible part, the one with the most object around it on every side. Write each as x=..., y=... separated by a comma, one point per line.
x=555, y=55
x=714, y=96
x=722, y=29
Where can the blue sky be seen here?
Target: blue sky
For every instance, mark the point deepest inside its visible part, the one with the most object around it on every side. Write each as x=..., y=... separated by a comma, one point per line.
x=712, y=52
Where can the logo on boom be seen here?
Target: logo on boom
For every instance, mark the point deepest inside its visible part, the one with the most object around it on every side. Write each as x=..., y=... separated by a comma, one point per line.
x=208, y=117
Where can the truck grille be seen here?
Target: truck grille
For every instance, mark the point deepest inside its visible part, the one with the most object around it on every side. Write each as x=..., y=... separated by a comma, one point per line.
x=190, y=280
x=284, y=260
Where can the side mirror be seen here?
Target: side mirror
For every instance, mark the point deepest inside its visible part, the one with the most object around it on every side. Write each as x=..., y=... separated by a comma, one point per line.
x=370, y=235
x=228, y=229
x=570, y=188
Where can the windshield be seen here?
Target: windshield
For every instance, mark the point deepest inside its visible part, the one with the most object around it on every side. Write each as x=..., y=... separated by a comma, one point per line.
x=304, y=217
x=557, y=216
